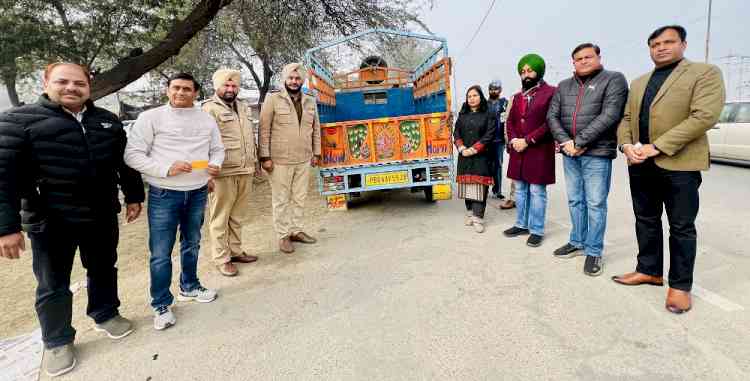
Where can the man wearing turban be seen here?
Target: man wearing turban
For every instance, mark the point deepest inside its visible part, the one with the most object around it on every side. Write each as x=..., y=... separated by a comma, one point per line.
x=289, y=144
x=227, y=204
x=532, y=150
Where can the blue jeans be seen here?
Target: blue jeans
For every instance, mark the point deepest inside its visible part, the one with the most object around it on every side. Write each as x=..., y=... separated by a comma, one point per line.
x=587, y=180
x=168, y=209
x=531, y=202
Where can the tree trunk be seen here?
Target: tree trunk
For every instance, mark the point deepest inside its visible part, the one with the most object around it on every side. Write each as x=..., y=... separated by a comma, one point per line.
x=249, y=65
x=9, y=79
x=130, y=69
x=267, y=75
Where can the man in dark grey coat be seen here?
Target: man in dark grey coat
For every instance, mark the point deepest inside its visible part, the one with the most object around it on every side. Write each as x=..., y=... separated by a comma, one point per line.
x=583, y=117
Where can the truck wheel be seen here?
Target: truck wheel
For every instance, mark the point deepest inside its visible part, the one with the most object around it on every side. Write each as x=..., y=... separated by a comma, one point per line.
x=428, y=194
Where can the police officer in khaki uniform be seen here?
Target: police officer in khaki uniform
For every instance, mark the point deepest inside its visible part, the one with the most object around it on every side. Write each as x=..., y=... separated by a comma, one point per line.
x=289, y=144
x=228, y=202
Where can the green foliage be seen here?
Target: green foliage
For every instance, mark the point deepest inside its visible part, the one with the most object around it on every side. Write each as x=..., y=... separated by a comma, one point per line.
x=102, y=33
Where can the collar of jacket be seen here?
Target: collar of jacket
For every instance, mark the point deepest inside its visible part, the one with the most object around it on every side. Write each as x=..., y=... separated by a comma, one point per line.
x=591, y=76
x=531, y=91
x=672, y=66
x=682, y=66
x=233, y=107
x=303, y=97
x=45, y=102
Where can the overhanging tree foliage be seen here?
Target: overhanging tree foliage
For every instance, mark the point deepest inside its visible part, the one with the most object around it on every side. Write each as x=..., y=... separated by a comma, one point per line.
x=275, y=32
x=119, y=39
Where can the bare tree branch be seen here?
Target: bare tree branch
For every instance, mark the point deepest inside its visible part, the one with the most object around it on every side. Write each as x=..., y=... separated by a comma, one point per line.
x=68, y=30
x=249, y=65
x=132, y=68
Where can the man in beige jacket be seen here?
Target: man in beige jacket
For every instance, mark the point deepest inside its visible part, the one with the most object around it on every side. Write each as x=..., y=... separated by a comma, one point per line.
x=228, y=202
x=663, y=136
x=289, y=144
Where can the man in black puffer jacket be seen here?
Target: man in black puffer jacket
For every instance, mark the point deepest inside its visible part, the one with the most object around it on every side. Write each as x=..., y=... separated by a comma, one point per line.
x=61, y=161
x=583, y=117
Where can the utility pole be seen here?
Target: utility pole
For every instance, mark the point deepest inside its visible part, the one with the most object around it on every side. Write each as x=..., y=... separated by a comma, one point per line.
x=708, y=29
x=736, y=65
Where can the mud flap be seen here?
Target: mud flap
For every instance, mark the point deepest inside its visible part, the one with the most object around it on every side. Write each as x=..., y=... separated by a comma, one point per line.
x=441, y=192
x=337, y=202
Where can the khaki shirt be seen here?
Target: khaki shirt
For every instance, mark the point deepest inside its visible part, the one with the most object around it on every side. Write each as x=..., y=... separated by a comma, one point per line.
x=237, y=135
x=284, y=138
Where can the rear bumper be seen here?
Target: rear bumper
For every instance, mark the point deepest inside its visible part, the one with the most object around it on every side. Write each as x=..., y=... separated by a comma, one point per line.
x=361, y=179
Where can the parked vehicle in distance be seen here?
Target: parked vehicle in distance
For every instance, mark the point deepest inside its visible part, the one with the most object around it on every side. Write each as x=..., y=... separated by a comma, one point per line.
x=730, y=138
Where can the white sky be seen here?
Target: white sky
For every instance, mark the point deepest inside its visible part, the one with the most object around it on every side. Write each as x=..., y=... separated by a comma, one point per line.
x=552, y=28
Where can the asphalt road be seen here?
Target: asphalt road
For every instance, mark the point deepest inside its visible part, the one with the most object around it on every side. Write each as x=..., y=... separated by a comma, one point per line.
x=399, y=289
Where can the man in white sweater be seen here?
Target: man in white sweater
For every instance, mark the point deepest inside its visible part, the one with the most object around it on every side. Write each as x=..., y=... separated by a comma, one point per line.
x=177, y=147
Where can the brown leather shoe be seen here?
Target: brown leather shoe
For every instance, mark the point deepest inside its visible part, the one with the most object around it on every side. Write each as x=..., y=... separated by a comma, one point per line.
x=285, y=245
x=302, y=237
x=678, y=301
x=507, y=204
x=228, y=269
x=244, y=258
x=637, y=279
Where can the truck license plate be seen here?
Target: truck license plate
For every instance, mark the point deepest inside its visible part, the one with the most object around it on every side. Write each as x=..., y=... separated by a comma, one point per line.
x=387, y=178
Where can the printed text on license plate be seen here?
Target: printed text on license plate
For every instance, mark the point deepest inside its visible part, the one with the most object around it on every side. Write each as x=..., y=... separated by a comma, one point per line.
x=387, y=178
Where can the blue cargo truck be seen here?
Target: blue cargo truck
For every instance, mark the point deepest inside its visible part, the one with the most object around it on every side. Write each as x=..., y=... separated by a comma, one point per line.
x=384, y=127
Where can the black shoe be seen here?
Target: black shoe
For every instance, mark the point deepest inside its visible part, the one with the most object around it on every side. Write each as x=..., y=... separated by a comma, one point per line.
x=515, y=232
x=534, y=240
x=593, y=266
x=568, y=251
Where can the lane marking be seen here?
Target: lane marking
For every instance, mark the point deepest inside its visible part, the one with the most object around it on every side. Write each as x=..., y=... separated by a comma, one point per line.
x=715, y=299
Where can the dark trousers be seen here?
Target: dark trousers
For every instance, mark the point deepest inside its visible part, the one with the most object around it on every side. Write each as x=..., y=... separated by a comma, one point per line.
x=654, y=189
x=497, y=170
x=54, y=246
x=477, y=207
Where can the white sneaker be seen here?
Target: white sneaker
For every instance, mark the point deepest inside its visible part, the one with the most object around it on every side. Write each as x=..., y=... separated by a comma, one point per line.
x=164, y=318
x=469, y=218
x=200, y=295
x=478, y=224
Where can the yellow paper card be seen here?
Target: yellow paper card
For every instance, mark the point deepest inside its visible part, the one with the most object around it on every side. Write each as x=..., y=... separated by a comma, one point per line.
x=200, y=164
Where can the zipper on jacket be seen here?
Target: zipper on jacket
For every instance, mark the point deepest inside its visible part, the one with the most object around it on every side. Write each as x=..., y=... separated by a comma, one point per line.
x=581, y=90
x=86, y=140
x=89, y=153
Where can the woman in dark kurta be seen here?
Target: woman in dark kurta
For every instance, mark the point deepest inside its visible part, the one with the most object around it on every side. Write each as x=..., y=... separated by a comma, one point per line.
x=473, y=134
x=532, y=150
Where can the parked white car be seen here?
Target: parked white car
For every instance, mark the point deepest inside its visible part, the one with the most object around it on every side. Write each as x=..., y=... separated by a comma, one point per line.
x=730, y=138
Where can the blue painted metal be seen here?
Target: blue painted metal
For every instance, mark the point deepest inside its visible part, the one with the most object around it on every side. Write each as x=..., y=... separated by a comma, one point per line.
x=351, y=105
x=313, y=63
x=428, y=104
x=327, y=113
